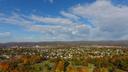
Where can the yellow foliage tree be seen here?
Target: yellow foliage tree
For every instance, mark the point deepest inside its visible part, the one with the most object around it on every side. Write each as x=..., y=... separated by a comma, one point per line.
x=71, y=69
x=59, y=67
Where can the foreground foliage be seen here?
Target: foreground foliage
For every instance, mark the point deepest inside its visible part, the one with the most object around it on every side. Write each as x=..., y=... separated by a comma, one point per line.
x=64, y=60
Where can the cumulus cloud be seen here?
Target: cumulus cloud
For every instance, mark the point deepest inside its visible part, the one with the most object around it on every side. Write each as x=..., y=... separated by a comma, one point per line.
x=109, y=21
x=54, y=28
x=106, y=22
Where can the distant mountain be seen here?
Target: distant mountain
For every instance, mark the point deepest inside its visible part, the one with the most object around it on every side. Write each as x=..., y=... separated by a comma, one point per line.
x=64, y=43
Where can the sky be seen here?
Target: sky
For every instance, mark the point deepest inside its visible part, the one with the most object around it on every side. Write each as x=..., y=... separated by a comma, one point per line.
x=63, y=20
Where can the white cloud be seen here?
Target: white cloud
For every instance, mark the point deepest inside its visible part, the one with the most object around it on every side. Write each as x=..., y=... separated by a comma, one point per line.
x=51, y=1
x=1, y=14
x=44, y=28
x=69, y=15
x=51, y=20
x=110, y=22
x=5, y=34
x=54, y=28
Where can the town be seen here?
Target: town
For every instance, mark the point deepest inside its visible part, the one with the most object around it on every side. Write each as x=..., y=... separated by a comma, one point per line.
x=64, y=59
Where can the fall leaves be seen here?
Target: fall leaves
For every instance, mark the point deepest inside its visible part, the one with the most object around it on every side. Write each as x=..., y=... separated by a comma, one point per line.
x=60, y=67
x=77, y=60
x=4, y=66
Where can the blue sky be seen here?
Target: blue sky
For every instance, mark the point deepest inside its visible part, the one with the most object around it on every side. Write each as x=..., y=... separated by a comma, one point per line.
x=63, y=20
